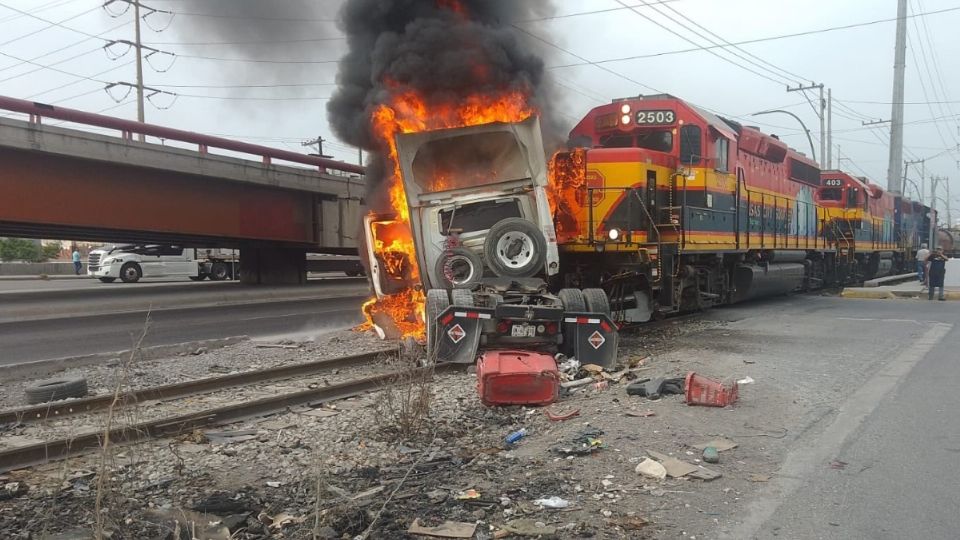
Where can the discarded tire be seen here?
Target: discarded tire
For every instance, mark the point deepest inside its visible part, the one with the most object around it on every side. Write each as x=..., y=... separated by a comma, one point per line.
x=459, y=268
x=596, y=301
x=515, y=247
x=56, y=389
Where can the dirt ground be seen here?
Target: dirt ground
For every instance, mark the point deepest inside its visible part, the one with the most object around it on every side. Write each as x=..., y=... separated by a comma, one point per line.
x=345, y=471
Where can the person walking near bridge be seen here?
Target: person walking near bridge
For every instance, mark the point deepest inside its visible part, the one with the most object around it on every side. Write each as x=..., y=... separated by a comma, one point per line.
x=77, y=265
x=936, y=271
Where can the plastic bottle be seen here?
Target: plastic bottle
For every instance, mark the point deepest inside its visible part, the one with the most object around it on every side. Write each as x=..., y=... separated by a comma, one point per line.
x=516, y=435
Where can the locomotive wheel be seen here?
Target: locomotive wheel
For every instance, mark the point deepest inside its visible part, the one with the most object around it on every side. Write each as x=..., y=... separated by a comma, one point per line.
x=437, y=301
x=572, y=300
x=597, y=301
x=459, y=268
x=515, y=248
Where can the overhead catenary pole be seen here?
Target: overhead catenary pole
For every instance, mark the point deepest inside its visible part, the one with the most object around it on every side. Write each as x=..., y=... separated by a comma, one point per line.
x=139, y=47
x=820, y=111
x=932, y=241
x=896, y=107
x=829, y=129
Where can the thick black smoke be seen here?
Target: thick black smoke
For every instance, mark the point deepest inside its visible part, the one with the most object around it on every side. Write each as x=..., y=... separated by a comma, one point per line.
x=442, y=49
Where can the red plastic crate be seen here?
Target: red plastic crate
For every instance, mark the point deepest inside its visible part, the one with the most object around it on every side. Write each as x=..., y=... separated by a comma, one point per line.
x=701, y=390
x=517, y=378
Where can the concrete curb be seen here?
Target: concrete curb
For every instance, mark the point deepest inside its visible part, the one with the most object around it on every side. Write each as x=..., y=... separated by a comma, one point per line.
x=889, y=280
x=44, y=368
x=876, y=294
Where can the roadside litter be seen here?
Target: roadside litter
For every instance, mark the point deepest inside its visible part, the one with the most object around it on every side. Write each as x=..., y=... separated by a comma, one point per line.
x=711, y=455
x=676, y=468
x=516, y=436
x=721, y=444
x=651, y=469
x=709, y=392
x=585, y=443
x=517, y=378
x=554, y=417
x=447, y=529
x=552, y=502
x=654, y=388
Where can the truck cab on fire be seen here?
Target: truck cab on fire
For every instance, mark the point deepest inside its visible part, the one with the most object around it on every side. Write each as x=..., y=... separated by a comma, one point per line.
x=485, y=248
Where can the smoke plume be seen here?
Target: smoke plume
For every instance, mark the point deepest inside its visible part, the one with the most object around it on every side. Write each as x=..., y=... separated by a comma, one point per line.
x=443, y=50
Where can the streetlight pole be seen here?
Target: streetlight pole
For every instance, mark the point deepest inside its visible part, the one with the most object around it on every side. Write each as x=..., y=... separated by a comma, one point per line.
x=797, y=118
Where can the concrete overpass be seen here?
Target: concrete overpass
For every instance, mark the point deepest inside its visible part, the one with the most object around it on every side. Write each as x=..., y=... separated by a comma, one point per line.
x=68, y=183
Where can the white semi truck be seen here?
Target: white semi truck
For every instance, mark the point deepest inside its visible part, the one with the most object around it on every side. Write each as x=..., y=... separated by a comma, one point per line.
x=130, y=262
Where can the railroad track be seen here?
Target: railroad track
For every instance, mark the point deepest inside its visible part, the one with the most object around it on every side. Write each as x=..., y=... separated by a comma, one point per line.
x=172, y=426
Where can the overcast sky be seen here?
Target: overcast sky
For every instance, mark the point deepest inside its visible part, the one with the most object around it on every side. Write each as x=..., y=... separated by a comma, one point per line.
x=271, y=87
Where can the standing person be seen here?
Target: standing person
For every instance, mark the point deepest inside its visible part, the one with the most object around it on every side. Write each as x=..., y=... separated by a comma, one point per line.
x=922, y=255
x=77, y=265
x=936, y=270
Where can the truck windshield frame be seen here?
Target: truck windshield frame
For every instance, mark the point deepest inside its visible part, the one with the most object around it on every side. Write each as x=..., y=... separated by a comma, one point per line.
x=469, y=160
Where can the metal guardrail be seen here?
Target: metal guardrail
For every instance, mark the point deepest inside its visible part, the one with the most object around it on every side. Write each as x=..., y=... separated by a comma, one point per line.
x=38, y=111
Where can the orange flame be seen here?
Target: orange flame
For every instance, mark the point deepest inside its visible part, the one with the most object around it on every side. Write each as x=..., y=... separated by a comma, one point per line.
x=408, y=112
x=565, y=191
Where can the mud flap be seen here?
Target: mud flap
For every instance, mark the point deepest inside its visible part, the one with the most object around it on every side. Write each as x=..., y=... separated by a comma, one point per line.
x=591, y=338
x=458, y=334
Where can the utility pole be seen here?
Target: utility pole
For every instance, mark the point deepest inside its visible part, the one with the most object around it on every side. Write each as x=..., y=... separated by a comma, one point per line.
x=318, y=142
x=139, y=51
x=906, y=170
x=829, y=128
x=821, y=113
x=896, y=108
x=933, y=212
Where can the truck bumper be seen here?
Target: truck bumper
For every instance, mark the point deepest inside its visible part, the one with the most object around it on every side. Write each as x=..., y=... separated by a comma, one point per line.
x=103, y=271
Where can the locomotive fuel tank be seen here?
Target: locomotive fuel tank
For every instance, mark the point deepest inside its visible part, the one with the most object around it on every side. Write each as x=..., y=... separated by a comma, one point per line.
x=770, y=279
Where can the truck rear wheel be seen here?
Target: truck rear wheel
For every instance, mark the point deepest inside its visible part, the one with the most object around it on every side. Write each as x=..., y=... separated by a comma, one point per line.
x=130, y=273
x=459, y=268
x=219, y=272
x=572, y=300
x=437, y=302
x=597, y=301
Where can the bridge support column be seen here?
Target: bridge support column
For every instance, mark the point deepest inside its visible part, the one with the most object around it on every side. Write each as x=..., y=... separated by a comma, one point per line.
x=273, y=266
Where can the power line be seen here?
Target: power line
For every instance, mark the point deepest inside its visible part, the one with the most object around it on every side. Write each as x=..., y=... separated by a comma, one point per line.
x=256, y=60
x=74, y=44
x=247, y=17
x=591, y=12
x=50, y=24
x=270, y=42
x=757, y=40
x=43, y=7
x=225, y=86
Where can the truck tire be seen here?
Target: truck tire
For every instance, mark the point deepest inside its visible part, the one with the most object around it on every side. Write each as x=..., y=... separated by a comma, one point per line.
x=597, y=301
x=107, y=279
x=219, y=272
x=465, y=266
x=462, y=297
x=437, y=302
x=572, y=300
x=130, y=273
x=56, y=389
x=515, y=248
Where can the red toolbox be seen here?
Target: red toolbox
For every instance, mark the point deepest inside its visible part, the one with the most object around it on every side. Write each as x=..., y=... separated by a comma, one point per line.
x=517, y=378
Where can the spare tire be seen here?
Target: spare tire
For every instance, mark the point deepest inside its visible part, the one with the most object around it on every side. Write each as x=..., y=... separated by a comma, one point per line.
x=56, y=389
x=459, y=268
x=515, y=247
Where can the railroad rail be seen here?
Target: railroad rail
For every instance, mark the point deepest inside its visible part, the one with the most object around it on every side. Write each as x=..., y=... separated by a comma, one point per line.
x=36, y=454
x=172, y=391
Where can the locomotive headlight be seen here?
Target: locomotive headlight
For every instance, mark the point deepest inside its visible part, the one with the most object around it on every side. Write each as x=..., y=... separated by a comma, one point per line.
x=614, y=234
x=625, y=109
x=625, y=119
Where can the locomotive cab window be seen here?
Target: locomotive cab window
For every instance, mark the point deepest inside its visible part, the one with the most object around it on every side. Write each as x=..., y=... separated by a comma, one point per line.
x=721, y=149
x=616, y=140
x=660, y=140
x=831, y=194
x=852, y=197
x=690, y=145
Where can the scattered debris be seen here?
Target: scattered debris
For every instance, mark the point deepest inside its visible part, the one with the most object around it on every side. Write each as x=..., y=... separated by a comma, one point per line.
x=12, y=490
x=711, y=455
x=654, y=388
x=275, y=346
x=447, y=529
x=674, y=467
x=517, y=378
x=468, y=494
x=721, y=444
x=516, y=436
x=230, y=437
x=651, y=469
x=577, y=383
x=585, y=443
x=758, y=477
x=701, y=390
x=629, y=523
x=746, y=380
x=837, y=464
x=560, y=417
x=529, y=527
x=552, y=502
x=705, y=474
x=641, y=414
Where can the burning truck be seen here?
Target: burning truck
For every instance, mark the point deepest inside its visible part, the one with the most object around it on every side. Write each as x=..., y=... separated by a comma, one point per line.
x=484, y=250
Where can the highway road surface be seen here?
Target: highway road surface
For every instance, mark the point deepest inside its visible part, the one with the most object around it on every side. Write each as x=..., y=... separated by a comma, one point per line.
x=62, y=323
